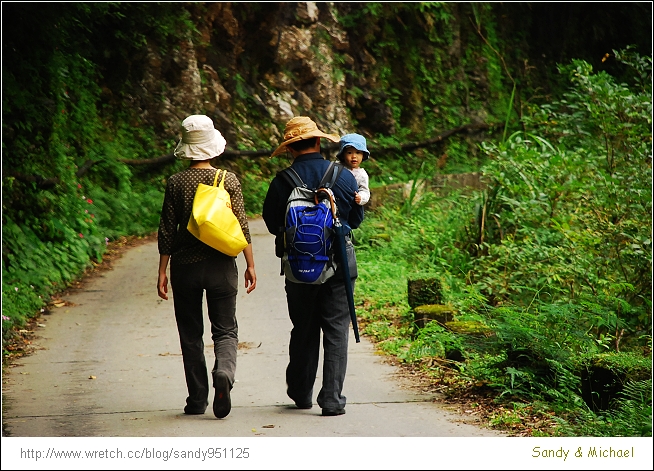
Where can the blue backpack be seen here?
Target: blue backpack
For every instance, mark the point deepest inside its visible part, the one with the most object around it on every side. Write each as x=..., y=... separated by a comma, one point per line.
x=308, y=232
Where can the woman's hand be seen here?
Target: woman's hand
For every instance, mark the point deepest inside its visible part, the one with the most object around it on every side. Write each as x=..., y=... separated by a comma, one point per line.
x=250, y=279
x=250, y=274
x=162, y=286
x=162, y=282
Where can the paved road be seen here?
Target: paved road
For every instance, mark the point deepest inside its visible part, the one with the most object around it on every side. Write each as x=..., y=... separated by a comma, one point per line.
x=110, y=366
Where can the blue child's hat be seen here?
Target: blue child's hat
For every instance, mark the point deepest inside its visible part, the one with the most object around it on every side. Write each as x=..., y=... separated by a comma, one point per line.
x=354, y=140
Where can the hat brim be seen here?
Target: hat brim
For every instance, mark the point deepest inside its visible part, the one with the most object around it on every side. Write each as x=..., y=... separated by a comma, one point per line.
x=205, y=151
x=309, y=135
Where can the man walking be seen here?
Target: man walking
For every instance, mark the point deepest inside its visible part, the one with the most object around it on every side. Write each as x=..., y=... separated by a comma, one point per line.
x=314, y=307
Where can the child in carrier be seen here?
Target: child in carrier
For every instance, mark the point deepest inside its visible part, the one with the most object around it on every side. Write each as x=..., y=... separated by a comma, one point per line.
x=352, y=153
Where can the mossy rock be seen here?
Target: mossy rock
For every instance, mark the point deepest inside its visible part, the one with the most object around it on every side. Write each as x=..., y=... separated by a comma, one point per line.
x=604, y=375
x=440, y=313
x=468, y=327
x=423, y=289
x=636, y=367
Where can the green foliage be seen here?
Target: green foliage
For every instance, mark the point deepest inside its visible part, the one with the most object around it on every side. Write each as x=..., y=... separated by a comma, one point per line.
x=57, y=126
x=640, y=67
x=432, y=341
x=630, y=416
x=540, y=351
x=424, y=79
x=554, y=257
x=572, y=219
x=426, y=239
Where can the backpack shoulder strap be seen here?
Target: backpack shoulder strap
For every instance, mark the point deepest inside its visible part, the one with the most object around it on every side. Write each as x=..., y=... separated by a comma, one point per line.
x=291, y=176
x=331, y=175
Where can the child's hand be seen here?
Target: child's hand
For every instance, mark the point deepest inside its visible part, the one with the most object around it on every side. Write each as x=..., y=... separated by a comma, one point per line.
x=357, y=198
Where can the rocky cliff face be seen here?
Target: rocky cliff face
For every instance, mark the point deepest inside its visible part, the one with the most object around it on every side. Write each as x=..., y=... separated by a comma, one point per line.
x=373, y=68
x=298, y=73
x=392, y=69
x=251, y=67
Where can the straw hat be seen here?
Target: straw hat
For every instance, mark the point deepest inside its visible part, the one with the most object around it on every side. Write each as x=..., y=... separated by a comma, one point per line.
x=200, y=140
x=300, y=128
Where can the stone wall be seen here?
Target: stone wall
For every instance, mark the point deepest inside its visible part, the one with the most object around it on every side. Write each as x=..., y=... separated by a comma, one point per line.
x=441, y=184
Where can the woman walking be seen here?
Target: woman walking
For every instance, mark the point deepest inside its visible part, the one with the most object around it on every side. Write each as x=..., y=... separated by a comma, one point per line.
x=196, y=268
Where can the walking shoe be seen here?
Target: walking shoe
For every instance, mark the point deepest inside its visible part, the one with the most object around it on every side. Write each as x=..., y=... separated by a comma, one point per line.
x=326, y=412
x=303, y=405
x=193, y=411
x=222, y=402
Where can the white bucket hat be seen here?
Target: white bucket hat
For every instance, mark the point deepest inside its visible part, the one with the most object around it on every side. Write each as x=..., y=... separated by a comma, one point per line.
x=200, y=140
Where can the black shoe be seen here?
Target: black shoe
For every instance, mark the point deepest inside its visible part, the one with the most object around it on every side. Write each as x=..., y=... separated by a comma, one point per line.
x=222, y=402
x=193, y=411
x=326, y=412
x=305, y=405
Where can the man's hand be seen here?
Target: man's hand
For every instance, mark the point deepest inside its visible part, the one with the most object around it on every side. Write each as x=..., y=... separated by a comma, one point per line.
x=357, y=198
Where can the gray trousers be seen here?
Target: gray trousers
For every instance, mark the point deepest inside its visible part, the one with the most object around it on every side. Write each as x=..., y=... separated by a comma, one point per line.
x=218, y=277
x=312, y=309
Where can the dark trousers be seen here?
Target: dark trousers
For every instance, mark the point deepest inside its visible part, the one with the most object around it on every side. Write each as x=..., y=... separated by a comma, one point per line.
x=313, y=308
x=218, y=277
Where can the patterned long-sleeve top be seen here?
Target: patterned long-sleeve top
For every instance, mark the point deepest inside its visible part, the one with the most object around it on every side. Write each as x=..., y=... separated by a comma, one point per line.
x=174, y=238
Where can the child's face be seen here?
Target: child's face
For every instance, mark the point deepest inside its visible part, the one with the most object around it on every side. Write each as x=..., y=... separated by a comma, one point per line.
x=352, y=157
